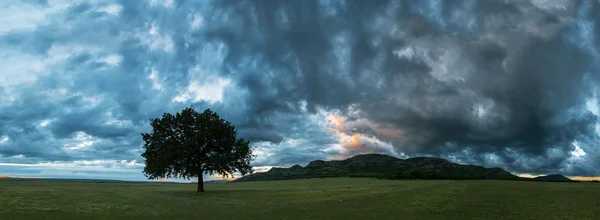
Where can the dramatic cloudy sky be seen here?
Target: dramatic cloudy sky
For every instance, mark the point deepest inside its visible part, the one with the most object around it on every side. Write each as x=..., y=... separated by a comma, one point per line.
x=506, y=83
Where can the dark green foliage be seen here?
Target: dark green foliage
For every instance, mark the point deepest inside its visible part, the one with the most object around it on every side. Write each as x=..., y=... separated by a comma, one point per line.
x=384, y=167
x=189, y=144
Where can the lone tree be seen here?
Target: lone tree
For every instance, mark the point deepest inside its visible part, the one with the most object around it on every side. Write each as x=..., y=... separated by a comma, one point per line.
x=189, y=144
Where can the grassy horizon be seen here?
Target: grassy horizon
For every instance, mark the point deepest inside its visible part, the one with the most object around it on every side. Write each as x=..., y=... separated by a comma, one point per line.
x=328, y=198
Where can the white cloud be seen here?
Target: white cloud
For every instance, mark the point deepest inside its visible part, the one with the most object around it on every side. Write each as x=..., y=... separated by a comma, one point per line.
x=164, y=3
x=154, y=40
x=592, y=106
x=4, y=139
x=83, y=165
x=27, y=67
x=303, y=105
x=17, y=16
x=112, y=120
x=406, y=53
x=112, y=60
x=205, y=81
x=90, y=101
x=20, y=17
x=88, y=169
x=197, y=21
x=30, y=67
x=8, y=96
x=80, y=142
x=553, y=5
x=263, y=151
x=154, y=76
x=44, y=123
x=578, y=152
x=112, y=9
x=211, y=91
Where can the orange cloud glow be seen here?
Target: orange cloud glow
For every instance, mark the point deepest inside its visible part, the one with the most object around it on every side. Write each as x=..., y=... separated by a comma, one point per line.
x=338, y=123
x=351, y=142
x=581, y=178
x=16, y=177
x=586, y=178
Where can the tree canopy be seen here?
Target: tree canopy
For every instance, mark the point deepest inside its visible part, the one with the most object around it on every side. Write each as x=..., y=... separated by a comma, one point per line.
x=189, y=144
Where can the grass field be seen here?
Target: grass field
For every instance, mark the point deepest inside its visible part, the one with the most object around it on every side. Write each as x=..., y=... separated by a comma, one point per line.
x=332, y=198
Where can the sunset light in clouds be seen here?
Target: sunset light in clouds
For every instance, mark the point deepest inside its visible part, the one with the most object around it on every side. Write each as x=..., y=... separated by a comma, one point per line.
x=352, y=141
x=345, y=139
x=300, y=109
x=338, y=124
x=507, y=83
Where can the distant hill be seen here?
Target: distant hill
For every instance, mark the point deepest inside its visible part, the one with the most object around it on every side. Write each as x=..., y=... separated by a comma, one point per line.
x=383, y=166
x=553, y=178
x=215, y=181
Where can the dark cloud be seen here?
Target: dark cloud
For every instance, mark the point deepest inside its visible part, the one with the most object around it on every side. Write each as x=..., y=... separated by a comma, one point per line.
x=482, y=76
x=508, y=83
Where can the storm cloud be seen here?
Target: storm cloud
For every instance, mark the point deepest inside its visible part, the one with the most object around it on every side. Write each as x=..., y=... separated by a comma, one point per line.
x=507, y=83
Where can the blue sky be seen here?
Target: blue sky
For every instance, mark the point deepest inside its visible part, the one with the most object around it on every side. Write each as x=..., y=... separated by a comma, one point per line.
x=511, y=84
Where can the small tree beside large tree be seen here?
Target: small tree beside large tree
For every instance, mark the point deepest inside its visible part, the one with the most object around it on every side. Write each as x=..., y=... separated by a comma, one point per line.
x=189, y=144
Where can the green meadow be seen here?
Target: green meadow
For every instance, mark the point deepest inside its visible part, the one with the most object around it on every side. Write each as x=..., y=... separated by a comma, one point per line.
x=328, y=198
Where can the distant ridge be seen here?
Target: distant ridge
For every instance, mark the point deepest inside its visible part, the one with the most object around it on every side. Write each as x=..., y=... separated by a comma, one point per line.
x=383, y=166
x=216, y=181
x=553, y=178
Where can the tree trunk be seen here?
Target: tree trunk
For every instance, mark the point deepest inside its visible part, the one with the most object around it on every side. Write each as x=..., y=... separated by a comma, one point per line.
x=200, y=183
